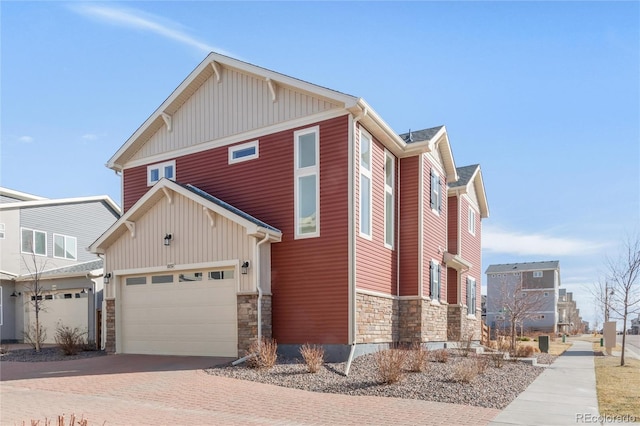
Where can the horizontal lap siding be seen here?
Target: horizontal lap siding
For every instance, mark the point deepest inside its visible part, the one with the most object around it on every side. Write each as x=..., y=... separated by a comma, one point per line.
x=409, y=225
x=471, y=250
x=309, y=276
x=375, y=263
x=435, y=230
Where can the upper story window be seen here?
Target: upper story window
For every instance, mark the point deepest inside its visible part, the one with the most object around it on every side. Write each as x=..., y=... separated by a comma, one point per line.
x=65, y=247
x=307, y=182
x=2, y=231
x=33, y=241
x=158, y=171
x=436, y=192
x=537, y=274
x=389, y=198
x=365, y=185
x=243, y=152
x=472, y=221
x=471, y=296
x=435, y=278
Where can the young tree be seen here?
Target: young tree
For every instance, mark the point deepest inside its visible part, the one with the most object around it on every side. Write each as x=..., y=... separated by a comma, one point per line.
x=622, y=295
x=35, y=333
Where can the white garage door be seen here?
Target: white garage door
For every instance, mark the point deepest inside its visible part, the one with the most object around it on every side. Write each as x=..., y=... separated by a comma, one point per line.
x=69, y=308
x=183, y=313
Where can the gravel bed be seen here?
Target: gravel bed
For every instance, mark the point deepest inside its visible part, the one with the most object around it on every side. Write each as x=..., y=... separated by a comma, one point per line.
x=46, y=354
x=496, y=388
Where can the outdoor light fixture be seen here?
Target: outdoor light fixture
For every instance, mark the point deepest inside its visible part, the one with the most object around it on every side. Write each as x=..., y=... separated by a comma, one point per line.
x=105, y=279
x=14, y=294
x=245, y=267
x=84, y=291
x=167, y=239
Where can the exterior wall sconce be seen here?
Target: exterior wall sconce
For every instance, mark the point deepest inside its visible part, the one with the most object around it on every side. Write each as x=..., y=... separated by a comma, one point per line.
x=167, y=239
x=245, y=267
x=14, y=294
x=84, y=291
x=106, y=278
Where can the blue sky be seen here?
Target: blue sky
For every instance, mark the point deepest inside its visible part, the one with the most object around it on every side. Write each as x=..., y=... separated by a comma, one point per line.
x=544, y=95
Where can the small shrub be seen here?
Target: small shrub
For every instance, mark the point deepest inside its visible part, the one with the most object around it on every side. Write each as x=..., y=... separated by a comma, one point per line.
x=313, y=356
x=265, y=354
x=33, y=338
x=465, y=371
x=4, y=349
x=523, y=339
x=482, y=363
x=441, y=355
x=69, y=339
x=73, y=421
x=524, y=351
x=497, y=358
x=466, y=344
x=418, y=357
x=390, y=363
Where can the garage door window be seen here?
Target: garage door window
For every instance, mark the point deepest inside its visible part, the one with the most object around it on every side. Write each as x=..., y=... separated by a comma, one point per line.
x=161, y=279
x=221, y=275
x=136, y=280
x=190, y=277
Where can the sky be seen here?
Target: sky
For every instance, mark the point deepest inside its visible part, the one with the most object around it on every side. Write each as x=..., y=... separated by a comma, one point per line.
x=545, y=96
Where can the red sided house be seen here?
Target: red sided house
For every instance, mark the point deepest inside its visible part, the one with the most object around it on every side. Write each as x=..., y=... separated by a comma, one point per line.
x=256, y=204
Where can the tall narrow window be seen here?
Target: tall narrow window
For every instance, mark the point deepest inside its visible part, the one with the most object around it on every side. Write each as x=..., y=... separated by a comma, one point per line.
x=472, y=221
x=435, y=280
x=307, y=182
x=365, y=185
x=65, y=247
x=34, y=241
x=1, y=231
x=436, y=192
x=471, y=296
x=389, y=201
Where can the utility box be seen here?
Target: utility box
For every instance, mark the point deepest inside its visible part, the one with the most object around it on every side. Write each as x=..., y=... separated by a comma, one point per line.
x=543, y=344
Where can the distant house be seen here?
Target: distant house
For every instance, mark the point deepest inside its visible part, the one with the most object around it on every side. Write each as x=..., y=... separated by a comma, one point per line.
x=532, y=280
x=259, y=205
x=569, y=319
x=48, y=238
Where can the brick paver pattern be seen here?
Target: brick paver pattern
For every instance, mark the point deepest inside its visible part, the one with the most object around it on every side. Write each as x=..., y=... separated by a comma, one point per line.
x=192, y=397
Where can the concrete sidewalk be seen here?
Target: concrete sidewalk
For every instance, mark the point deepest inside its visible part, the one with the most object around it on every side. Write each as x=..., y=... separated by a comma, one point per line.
x=564, y=394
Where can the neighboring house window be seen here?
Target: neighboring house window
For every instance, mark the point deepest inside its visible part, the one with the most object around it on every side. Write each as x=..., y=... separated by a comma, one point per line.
x=243, y=152
x=221, y=275
x=537, y=274
x=472, y=221
x=435, y=280
x=156, y=172
x=389, y=198
x=471, y=296
x=365, y=185
x=1, y=231
x=190, y=277
x=307, y=182
x=65, y=247
x=436, y=192
x=34, y=241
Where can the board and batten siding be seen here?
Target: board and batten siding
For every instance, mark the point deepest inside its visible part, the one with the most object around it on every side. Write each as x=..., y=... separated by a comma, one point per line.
x=434, y=228
x=409, y=226
x=85, y=221
x=194, y=240
x=238, y=103
x=309, y=276
x=376, y=265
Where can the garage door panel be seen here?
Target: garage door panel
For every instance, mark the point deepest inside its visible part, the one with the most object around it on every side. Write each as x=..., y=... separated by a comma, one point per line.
x=180, y=318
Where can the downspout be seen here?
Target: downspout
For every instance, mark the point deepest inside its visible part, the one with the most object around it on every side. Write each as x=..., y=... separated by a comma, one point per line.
x=258, y=271
x=352, y=238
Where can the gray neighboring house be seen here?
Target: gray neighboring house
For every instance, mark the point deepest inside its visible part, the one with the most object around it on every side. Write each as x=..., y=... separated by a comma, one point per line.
x=50, y=237
x=540, y=277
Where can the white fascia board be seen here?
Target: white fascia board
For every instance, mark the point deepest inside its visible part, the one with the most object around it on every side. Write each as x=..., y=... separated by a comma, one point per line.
x=23, y=196
x=51, y=202
x=439, y=139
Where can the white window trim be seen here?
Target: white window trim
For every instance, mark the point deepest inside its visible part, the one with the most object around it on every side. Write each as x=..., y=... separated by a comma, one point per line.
x=233, y=149
x=306, y=171
x=390, y=190
x=436, y=210
x=2, y=231
x=537, y=274
x=473, y=299
x=432, y=265
x=65, y=246
x=471, y=224
x=46, y=237
x=368, y=174
x=160, y=167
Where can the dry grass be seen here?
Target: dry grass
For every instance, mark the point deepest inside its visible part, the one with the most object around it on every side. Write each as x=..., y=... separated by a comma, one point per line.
x=265, y=354
x=440, y=355
x=556, y=347
x=390, y=365
x=60, y=421
x=618, y=387
x=313, y=356
x=418, y=358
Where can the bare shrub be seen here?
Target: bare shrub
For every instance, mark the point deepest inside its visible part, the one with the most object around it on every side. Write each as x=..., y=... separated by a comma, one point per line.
x=466, y=343
x=69, y=339
x=524, y=351
x=497, y=358
x=465, y=371
x=418, y=357
x=313, y=356
x=440, y=355
x=482, y=363
x=73, y=421
x=4, y=349
x=35, y=336
x=265, y=354
x=390, y=363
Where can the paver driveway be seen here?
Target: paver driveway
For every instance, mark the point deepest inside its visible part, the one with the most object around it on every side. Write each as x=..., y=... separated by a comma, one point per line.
x=151, y=390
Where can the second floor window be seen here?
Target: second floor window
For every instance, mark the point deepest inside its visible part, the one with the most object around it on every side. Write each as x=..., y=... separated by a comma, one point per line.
x=389, y=202
x=65, y=247
x=158, y=171
x=307, y=182
x=365, y=185
x=33, y=241
x=436, y=192
x=472, y=221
